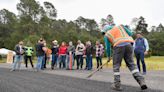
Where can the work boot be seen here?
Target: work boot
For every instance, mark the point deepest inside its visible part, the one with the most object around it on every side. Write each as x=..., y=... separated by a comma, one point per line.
x=143, y=85
x=116, y=87
x=141, y=81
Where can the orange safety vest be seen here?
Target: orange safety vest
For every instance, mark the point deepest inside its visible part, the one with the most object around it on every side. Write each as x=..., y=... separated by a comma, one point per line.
x=118, y=35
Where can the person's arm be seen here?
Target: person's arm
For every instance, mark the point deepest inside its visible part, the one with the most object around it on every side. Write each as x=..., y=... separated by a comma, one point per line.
x=128, y=31
x=146, y=45
x=134, y=44
x=107, y=46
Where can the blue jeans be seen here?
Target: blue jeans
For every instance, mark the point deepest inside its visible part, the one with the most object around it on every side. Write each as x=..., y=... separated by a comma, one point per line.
x=17, y=60
x=62, y=60
x=140, y=57
x=89, y=62
x=39, y=63
x=54, y=59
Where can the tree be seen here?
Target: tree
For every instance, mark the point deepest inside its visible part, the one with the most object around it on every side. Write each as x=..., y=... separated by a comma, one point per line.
x=142, y=26
x=160, y=28
x=30, y=8
x=50, y=10
x=8, y=21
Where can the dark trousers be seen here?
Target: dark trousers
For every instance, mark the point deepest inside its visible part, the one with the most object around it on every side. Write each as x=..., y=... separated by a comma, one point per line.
x=26, y=61
x=79, y=59
x=54, y=60
x=126, y=53
x=140, y=57
x=62, y=61
x=99, y=61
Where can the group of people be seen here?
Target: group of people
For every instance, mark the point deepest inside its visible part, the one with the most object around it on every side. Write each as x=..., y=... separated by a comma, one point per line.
x=117, y=38
x=59, y=56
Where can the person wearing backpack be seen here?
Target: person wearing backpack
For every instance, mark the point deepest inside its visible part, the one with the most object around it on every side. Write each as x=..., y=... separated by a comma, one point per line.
x=141, y=48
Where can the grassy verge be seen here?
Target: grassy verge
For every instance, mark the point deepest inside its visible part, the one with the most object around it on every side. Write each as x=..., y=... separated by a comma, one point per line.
x=153, y=62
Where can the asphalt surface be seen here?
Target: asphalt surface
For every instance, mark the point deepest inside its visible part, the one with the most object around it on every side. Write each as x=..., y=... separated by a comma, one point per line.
x=29, y=81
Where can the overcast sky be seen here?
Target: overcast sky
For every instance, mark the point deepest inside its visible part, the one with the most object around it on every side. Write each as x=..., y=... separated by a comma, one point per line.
x=122, y=10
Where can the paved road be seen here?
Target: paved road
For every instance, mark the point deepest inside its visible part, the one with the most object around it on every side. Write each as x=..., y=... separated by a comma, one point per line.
x=28, y=81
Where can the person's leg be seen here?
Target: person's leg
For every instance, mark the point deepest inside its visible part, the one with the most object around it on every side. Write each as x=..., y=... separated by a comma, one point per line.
x=97, y=59
x=53, y=61
x=15, y=63
x=73, y=61
x=128, y=56
x=91, y=62
x=20, y=61
x=77, y=61
x=137, y=54
x=26, y=61
x=81, y=61
x=100, y=59
x=43, y=62
x=117, y=59
x=60, y=61
x=30, y=57
x=143, y=62
x=39, y=63
x=64, y=61
x=67, y=61
x=56, y=60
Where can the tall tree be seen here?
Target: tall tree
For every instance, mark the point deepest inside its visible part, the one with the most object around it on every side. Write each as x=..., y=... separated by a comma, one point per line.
x=142, y=26
x=50, y=10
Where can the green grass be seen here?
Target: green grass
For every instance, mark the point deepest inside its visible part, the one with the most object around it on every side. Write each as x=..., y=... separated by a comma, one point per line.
x=153, y=62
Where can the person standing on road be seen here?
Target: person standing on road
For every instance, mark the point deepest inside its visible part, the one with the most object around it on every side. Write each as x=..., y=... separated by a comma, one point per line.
x=40, y=50
x=79, y=54
x=70, y=56
x=141, y=48
x=28, y=55
x=88, y=53
x=120, y=38
x=99, y=53
x=18, y=57
x=62, y=55
x=55, y=50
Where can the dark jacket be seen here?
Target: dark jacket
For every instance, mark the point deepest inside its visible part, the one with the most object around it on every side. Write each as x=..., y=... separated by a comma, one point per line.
x=89, y=50
x=18, y=51
x=55, y=49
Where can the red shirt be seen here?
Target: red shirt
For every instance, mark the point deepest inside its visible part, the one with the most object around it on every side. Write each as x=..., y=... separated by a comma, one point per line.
x=62, y=50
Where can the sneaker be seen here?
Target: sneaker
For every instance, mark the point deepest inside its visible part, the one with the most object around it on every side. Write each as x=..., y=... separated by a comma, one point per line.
x=12, y=70
x=117, y=88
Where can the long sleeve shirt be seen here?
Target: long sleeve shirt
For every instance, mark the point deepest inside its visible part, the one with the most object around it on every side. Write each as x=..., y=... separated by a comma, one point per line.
x=108, y=44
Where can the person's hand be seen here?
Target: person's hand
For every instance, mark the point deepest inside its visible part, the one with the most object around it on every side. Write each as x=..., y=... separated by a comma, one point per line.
x=146, y=52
